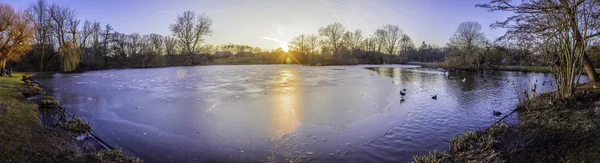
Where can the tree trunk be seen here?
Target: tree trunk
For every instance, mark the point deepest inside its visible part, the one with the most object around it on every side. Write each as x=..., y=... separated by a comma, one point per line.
x=2, y=67
x=42, y=60
x=589, y=68
x=587, y=64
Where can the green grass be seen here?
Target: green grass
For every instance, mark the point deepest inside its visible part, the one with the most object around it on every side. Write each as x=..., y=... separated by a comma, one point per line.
x=237, y=61
x=23, y=137
x=473, y=146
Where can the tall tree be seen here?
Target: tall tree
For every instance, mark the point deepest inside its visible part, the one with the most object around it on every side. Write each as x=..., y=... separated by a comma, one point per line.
x=405, y=44
x=334, y=34
x=313, y=44
x=353, y=39
x=467, y=39
x=190, y=29
x=391, y=37
x=107, y=37
x=299, y=44
x=170, y=45
x=39, y=15
x=16, y=34
x=543, y=18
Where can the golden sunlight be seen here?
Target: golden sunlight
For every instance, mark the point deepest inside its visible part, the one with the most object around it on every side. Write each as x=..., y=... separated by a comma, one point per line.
x=286, y=107
x=284, y=47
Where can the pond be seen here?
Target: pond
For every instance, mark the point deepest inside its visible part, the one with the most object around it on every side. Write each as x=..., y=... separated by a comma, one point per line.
x=288, y=113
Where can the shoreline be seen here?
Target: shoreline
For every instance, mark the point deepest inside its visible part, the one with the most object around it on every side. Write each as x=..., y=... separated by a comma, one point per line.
x=547, y=130
x=48, y=133
x=535, y=69
x=90, y=134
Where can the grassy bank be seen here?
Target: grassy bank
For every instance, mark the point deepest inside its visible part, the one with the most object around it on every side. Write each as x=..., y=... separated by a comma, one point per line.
x=24, y=138
x=549, y=130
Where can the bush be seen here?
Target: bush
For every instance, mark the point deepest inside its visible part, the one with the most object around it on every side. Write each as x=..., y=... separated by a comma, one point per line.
x=77, y=126
x=49, y=102
x=32, y=89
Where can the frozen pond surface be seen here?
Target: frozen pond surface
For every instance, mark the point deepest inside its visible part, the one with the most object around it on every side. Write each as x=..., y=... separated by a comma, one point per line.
x=280, y=113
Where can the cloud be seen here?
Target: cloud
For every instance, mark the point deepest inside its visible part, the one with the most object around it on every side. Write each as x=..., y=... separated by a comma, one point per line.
x=276, y=40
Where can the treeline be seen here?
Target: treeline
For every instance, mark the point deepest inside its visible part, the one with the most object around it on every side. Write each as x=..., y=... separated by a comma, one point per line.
x=63, y=42
x=53, y=39
x=468, y=48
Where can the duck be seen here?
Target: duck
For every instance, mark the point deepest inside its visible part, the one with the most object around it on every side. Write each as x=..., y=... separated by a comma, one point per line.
x=401, y=99
x=402, y=93
x=404, y=89
x=497, y=113
x=434, y=97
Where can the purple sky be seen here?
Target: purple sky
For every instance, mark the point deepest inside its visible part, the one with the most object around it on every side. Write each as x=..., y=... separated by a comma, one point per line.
x=246, y=21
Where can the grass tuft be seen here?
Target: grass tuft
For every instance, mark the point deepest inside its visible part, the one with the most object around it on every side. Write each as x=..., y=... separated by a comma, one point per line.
x=472, y=146
x=113, y=156
x=77, y=126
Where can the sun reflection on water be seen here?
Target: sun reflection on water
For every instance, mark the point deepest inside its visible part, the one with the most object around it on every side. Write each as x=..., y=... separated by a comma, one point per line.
x=286, y=105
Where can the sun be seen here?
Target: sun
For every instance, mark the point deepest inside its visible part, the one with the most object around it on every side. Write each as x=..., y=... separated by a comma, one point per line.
x=284, y=47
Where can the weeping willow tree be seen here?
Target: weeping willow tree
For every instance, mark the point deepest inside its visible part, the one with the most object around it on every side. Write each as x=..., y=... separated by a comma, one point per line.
x=69, y=58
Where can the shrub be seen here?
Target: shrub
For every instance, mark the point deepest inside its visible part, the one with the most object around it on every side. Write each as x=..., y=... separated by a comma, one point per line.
x=77, y=126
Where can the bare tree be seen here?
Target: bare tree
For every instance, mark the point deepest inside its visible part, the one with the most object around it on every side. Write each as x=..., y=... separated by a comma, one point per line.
x=190, y=29
x=468, y=36
x=61, y=18
x=405, y=44
x=65, y=28
x=39, y=14
x=353, y=39
x=380, y=40
x=370, y=44
x=156, y=42
x=135, y=42
x=313, y=44
x=107, y=37
x=170, y=45
x=391, y=35
x=467, y=39
x=299, y=44
x=86, y=32
x=16, y=34
x=545, y=19
x=334, y=34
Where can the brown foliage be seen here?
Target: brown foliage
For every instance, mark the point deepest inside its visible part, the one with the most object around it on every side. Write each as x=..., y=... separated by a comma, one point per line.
x=16, y=34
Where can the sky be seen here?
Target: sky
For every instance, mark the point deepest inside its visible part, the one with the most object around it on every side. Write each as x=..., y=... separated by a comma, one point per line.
x=249, y=22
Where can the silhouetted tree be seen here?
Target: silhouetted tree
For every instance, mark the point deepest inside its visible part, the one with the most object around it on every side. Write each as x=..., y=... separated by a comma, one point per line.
x=190, y=29
x=391, y=37
x=333, y=34
x=465, y=44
